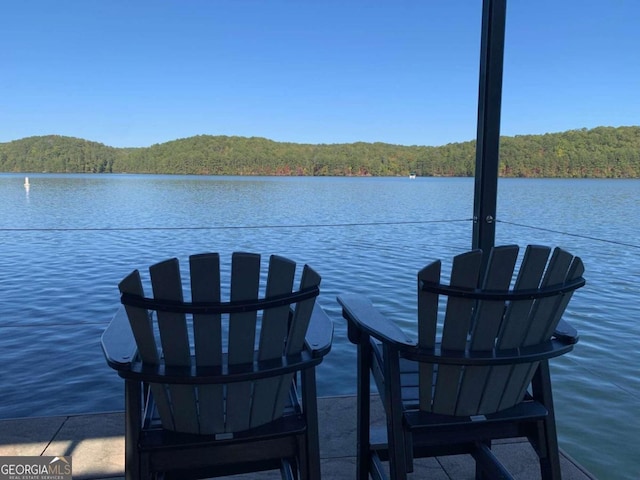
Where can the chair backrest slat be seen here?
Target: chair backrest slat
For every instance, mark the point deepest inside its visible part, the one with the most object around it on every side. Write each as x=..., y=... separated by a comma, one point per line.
x=273, y=334
x=486, y=324
x=297, y=331
x=275, y=321
x=174, y=336
x=302, y=314
x=458, y=322
x=245, y=281
x=489, y=314
x=207, y=328
x=167, y=285
x=576, y=270
x=207, y=335
x=501, y=385
x=142, y=329
x=141, y=324
x=546, y=312
x=529, y=278
x=545, y=309
x=427, y=327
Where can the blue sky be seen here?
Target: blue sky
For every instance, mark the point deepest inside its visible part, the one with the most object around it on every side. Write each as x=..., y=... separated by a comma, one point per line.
x=134, y=73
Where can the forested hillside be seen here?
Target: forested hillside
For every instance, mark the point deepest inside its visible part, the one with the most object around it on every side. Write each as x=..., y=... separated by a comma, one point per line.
x=604, y=152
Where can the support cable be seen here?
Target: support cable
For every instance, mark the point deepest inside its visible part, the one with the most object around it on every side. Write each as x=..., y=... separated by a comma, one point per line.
x=569, y=234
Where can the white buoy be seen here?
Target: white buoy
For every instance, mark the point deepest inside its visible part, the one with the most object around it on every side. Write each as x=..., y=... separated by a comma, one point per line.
x=26, y=183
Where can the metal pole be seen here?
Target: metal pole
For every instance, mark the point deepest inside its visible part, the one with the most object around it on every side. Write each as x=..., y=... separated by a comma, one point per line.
x=488, y=137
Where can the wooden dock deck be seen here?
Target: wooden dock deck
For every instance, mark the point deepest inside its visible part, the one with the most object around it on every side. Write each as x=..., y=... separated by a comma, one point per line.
x=96, y=445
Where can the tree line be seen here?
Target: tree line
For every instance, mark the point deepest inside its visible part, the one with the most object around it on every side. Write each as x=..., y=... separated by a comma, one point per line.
x=603, y=152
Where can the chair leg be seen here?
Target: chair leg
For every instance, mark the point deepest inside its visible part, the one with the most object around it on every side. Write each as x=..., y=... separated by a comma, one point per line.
x=479, y=471
x=310, y=466
x=133, y=422
x=363, y=410
x=288, y=471
x=548, y=438
x=488, y=467
x=398, y=459
x=300, y=465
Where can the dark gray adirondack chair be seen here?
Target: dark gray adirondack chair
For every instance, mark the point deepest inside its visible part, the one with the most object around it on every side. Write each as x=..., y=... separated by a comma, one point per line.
x=212, y=387
x=479, y=370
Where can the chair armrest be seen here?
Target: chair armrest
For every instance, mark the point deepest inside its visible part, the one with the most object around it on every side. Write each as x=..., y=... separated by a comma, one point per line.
x=565, y=332
x=319, y=333
x=363, y=317
x=118, y=343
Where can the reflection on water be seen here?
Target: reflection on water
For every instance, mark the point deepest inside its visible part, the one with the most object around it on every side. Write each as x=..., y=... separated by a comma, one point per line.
x=69, y=239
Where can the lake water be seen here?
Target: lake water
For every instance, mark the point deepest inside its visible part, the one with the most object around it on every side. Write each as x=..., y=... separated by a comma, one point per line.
x=69, y=239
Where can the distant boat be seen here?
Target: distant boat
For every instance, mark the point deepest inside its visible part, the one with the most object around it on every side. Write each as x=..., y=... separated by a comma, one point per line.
x=412, y=175
x=26, y=183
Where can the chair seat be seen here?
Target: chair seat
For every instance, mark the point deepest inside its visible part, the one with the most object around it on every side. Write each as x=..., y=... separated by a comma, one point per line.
x=267, y=447
x=528, y=409
x=157, y=438
x=508, y=423
x=416, y=418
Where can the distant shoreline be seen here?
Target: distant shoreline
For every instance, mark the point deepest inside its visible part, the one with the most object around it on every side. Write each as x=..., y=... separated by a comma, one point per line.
x=602, y=152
